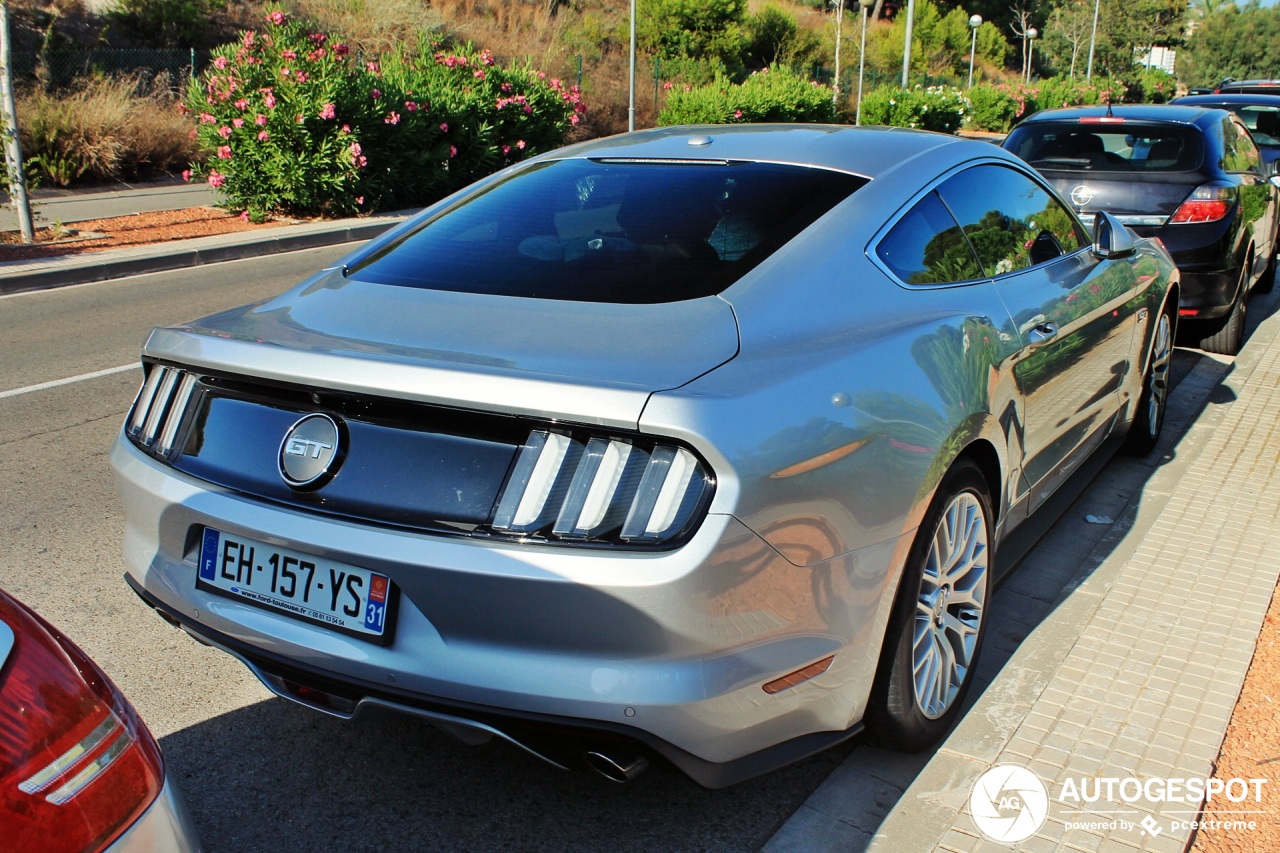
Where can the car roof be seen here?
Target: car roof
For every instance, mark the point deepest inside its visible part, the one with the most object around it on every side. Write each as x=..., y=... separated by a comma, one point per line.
x=1229, y=98
x=1240, y=84
x=1164, y=113
x=867, y=151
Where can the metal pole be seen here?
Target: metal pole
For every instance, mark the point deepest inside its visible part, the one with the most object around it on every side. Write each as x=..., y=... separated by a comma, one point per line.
x=12, y=146
x=1093, y=38
x=631, y=108
x=906, y=49
x=862, y=64
x=1031, y=50
x=835, y=89
x=975, y=21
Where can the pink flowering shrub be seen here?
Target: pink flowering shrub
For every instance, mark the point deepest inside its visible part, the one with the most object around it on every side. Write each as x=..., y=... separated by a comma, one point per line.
x=773, y=95
x=295, y=124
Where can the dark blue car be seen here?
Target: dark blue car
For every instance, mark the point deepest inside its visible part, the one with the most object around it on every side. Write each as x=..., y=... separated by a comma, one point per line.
x=1192, y=176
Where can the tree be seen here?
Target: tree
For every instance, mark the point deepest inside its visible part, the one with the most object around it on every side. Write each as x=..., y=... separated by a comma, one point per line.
x=1240, y=44
x=1068, y=33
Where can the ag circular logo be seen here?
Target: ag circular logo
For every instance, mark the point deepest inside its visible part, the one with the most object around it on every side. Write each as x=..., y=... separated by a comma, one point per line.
x=1082, y=195
x=1009, y=803
x=311, y=452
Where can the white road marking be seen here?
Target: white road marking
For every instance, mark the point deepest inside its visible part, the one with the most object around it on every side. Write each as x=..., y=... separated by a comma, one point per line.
x=70, y=380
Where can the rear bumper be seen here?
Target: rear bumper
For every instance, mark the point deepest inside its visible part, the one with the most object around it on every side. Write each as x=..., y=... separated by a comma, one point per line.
x=669, y=650
x=562, y=742
x=165, y=827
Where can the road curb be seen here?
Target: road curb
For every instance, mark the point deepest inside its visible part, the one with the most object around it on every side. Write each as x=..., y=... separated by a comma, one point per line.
x=82, y=271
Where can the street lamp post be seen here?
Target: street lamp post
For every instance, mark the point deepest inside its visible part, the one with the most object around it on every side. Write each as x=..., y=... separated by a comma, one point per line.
x=862, y=58
x=1032, y=35
x=835, y=89
x=631, y=106
x=975, y=21
x=1093, y=38
x=906, y=50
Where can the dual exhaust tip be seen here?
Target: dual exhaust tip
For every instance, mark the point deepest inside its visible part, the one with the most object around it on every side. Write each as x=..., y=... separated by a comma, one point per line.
x=618, y=767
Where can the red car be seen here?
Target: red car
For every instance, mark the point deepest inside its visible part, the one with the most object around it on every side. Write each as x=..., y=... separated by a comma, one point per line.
x=79, y=771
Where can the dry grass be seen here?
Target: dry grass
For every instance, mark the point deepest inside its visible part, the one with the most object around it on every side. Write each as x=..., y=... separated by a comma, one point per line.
x=105, y=128
x=372, y=26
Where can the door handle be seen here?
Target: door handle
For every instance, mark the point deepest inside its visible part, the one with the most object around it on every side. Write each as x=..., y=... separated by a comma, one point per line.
x=1043, y=332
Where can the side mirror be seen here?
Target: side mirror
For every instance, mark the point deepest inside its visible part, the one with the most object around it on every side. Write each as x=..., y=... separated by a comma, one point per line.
x=1111, y=239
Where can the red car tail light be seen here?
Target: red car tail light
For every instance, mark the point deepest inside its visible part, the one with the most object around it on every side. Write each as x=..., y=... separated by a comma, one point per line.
x=77, y=764
x=1205, y=204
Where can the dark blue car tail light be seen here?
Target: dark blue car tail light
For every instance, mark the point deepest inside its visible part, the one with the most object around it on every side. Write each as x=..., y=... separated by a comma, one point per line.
x=1207, y=203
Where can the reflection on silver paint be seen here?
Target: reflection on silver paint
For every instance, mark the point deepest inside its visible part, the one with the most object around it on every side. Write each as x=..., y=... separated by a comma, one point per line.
x=827, y=399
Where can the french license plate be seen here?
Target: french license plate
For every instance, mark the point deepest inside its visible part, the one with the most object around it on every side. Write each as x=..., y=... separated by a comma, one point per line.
x=345, y=598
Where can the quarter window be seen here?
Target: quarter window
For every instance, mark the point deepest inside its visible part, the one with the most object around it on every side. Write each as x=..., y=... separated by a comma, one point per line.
x=927, y=246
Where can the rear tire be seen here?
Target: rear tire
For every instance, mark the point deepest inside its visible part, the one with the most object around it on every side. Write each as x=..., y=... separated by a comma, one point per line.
x=938, y=622
x=1226, y=336
x=1144, y=433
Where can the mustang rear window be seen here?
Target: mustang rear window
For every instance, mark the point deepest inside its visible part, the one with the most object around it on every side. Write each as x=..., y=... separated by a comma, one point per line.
x=612, y=231
x=1127, y=147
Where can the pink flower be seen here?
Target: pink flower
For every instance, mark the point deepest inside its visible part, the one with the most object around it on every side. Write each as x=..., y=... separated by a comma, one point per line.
x=444, y=128
x=316, y=55
x=260, y=120
x=289, y=54
x=220, y=63
x=224, y=132
x=328, y=111
x=573, y=119
x=186, y=174
x=479, y=75
x=668, y=86
x=206, y=118
x=375, y=94
x=276, y=18
x=346, y=128
x=411, y=106
x=737, y=113
x=224, y=152
x=520, y=144
x=371, y=67
x=505, y=87
x=238, y=123
x=392, y=118
x=302, y=76
x=453, y=151
x=216, y=178
x=317, y=38
x=486, y=57
x=506, y=149
x=263, y=136
x=341, y=49
x=301, y=118
x=270, y=101
x=244, y=214
x=248, y=39
x=359, y=199
x=357, y=154
x=242, y=104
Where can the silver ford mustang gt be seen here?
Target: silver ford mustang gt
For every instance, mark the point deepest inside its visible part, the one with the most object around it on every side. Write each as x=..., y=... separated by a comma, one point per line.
x=692, y=443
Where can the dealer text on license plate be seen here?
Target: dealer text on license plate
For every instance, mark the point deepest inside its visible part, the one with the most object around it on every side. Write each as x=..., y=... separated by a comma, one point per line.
x=346, y=598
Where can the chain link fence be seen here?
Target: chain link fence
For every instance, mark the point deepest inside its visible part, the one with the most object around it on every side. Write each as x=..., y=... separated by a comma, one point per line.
x=57, y=69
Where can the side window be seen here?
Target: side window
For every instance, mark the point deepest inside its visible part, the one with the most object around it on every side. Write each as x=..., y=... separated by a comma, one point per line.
x=1011, y=221
x=927, y=246
x=1241, y=154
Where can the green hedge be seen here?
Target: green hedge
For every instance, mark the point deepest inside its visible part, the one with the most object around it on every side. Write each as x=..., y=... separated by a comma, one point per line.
x=775, y=94
x=293, y=124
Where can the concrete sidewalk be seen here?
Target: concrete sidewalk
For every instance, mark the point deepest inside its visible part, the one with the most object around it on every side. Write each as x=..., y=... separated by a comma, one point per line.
x=19, y=276
x=1116, y=656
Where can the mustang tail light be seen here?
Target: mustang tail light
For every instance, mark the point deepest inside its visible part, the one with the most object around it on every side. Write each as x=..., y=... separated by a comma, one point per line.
x=77, y=764
x=1207, y=203
x=157, y=413
x=602, y=489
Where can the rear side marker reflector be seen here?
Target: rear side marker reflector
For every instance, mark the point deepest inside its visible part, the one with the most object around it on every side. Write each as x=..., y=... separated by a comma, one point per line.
x=799, y=676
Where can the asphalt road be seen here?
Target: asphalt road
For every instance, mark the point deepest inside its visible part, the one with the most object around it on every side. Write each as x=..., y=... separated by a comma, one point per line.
x=260, y=773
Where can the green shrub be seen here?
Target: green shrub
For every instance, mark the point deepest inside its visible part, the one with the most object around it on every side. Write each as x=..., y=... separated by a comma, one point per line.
x=292, y=123
x=934, y=108
x=992, y=108
x=771, y=95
